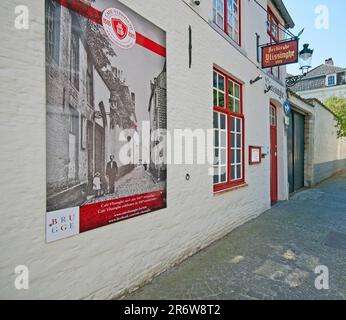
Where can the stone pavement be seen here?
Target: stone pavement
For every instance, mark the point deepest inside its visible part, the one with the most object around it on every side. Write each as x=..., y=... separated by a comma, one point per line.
x=135, y=182
x=271, y=257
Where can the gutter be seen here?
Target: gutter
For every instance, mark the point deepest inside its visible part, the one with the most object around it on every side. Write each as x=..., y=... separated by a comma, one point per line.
x=289, y=23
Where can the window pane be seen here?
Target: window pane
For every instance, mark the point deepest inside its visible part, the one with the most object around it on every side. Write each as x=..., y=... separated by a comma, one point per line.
x=219, y=20
x=238, y=156
x=236, y=106
x=232, y=156
x=223, y=139
x=233, y=140
x=223, y=157
x=236, y=36
x=275, y=30
x=216, y=175
x=232, y=172
x=238, y=171
x=238, y=128
x=215, y=97
x=230, y=88
x=233, y=124
x=221, y=83
x=221, y=100
x=216, y=120
x=215, y=79
x=216, y=156
x=222, y=121
x=231, y=104
x=223, y=174
x=238, y=140
x=237, y=91
x=216, y=138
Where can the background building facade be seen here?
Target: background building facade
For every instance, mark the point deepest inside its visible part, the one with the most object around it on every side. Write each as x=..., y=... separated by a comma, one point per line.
x=323, y=82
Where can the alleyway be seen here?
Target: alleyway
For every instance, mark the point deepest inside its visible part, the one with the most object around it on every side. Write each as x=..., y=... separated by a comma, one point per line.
x=272, y=257
x=136, y=182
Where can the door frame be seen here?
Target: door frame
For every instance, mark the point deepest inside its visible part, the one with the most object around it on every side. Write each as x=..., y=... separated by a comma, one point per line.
x=294, y=115
x=273, y=154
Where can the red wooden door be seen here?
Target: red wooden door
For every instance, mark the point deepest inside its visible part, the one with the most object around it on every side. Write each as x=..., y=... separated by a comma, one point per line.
x=273, y=155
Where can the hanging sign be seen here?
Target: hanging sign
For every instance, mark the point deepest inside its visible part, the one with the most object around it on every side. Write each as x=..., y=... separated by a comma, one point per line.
x=280, y=54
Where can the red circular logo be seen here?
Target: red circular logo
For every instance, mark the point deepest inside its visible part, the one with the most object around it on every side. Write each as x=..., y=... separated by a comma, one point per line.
x=119, y=28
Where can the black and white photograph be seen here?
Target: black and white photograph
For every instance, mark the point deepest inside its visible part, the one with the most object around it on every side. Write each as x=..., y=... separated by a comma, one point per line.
x=99, y=97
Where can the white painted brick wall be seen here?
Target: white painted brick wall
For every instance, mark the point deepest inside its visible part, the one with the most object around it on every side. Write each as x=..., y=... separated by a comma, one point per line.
x=103, y=262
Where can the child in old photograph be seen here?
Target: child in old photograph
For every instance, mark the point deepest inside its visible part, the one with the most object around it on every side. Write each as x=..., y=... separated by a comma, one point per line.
x=97, y=184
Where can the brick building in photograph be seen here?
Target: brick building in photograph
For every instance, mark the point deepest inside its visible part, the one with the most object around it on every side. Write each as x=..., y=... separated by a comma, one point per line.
x=78, y=112
x=158, y=121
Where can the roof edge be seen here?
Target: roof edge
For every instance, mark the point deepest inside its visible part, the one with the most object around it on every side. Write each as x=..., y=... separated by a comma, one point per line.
x=289, y=23
x=311, y=101
x=294, y=94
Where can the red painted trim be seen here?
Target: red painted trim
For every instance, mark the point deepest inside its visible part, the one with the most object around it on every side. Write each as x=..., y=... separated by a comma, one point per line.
x=226, y=186
x=243, y=159
x=239, y=27
x=95, y=16
x=271, y=17
x=225, y=22
x=274, y=192
x=230, y=184
x=251, y=162
x=228, y=76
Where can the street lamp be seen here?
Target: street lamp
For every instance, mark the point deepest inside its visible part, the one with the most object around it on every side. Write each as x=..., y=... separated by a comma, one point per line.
x=305, y=58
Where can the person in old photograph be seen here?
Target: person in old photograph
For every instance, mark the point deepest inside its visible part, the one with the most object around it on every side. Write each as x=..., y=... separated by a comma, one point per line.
x=111, y=173
x=97, y=184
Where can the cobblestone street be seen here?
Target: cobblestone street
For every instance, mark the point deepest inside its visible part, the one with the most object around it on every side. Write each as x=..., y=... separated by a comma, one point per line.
x=136, y=182
x=272, y=257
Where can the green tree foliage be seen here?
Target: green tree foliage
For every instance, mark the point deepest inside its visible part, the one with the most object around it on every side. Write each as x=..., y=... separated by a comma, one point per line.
x=338, y=106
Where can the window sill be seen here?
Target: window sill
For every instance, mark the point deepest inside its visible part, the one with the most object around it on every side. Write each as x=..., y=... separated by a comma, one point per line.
x=223, y=34
x=231, y=188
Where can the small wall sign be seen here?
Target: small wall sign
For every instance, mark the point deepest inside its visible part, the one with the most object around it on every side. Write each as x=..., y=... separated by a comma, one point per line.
x=255, y=155
x=287, y=107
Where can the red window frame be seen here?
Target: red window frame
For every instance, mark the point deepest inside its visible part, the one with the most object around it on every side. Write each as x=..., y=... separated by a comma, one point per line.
x=225, y=20
x=229, y=184
x=272, y=39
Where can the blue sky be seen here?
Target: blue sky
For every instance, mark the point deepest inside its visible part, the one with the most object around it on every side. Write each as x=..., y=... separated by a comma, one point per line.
x=327, y=43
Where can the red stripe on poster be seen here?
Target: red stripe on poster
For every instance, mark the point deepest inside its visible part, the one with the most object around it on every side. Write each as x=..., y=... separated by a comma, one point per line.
x=95, y=15
x=100, y=214
x=150, y=45
x=82, y=9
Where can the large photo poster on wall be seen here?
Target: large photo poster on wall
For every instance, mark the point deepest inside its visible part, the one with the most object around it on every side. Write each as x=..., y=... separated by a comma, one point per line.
x=106, y=105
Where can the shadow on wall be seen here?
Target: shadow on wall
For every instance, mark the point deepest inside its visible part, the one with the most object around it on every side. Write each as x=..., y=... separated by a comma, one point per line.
x=325, y=170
